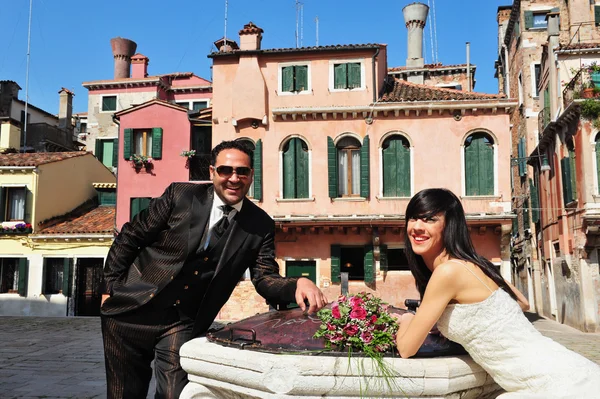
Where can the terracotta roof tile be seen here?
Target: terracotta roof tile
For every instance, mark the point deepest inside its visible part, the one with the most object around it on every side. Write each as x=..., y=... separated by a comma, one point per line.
x=37, y=158
x=333, y=47
x=403, y=91
x=97, y=220
x=250, y=28
x=579, y=46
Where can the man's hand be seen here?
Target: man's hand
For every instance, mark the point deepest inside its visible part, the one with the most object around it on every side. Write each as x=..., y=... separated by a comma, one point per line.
x=104, y=298
x=306, y=289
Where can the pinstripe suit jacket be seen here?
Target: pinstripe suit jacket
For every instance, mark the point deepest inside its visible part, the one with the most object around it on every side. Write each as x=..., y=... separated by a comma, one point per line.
x=152, y=249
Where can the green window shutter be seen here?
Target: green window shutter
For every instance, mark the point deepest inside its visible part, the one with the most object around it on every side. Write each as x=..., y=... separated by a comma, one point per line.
x=390, y=170
x=479, y=167
x=354, y=75
x=157, y=134
x=336, y=254
x=565, y=167
x=332, y=168
x=340, y=73
x=383, y=262
x=99, y=150
x=573, y=175
x=127, y=143
x=521, y=155
x=138, y=204
x=44, y=275
x=517, y=30
x=23, y=276
x=27, y=211
x=597, y=15
x=115, y=154
x=403, y=164
x=364, y=168
x=526, y=214
x=289, y=170
x=258, y=173
x=287, y=79
x=301, y=168
x=67, y=276
x=515, y=224
x=535, y=202
x=301, y=78
x=369, y=264
x=528, y=19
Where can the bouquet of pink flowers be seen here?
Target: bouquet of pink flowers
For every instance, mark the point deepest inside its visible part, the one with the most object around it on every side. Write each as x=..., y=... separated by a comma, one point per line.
x=360, y=322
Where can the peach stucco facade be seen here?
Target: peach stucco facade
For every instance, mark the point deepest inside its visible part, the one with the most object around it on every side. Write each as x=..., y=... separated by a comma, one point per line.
x=310, y=228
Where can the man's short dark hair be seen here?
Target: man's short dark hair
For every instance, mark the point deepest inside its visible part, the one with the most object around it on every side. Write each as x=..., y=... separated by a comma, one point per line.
x=232, y=144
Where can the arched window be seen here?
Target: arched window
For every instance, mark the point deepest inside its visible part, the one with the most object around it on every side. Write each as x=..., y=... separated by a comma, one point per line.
x=348, y=158
x=295, y=169
x=479, y=164
x=396, y=167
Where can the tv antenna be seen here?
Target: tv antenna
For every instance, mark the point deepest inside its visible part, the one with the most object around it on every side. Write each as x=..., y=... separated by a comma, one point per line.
x=299, y=23
x=317, y=25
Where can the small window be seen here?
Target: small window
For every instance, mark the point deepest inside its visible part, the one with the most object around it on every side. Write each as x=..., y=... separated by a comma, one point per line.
x=105, y=151
x=537, y=71
x=109, y=103
x=294, y=78
x=142, y=142
x=198, y=105
x=479, y=165
x=15, y=203
x=347, y=76
x=539, y=20
x=348, y=158
x=9, y=275
x=53, y=275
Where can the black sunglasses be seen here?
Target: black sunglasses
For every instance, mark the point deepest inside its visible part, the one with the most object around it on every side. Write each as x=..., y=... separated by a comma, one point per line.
x=225, y=171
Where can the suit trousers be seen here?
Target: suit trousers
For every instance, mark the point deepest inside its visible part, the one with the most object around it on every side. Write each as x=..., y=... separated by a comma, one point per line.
x=129, y=349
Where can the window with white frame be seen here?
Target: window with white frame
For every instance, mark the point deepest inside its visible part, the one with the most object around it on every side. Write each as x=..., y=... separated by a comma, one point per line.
x=54, y=269
x=536, y=71
x=142, y=142
x=109, y=103
x=294, y=78
x=348, y=157
x=479, y=164
x=346, y=75
x=193, y=105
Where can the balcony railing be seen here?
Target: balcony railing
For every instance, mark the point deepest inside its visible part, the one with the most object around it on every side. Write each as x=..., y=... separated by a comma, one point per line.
x=543, y=120
x=581, y=86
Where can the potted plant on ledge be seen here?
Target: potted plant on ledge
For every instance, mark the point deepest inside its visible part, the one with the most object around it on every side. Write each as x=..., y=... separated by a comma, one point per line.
x=590, y=110
x=594, y=71
x=141, y=161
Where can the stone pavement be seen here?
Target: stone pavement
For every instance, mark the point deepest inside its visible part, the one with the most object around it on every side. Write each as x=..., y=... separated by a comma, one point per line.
x=59, y=358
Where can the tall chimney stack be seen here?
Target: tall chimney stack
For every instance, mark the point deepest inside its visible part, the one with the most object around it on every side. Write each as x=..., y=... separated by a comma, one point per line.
x=65, y=109
x=415, y=16
x=122, y=50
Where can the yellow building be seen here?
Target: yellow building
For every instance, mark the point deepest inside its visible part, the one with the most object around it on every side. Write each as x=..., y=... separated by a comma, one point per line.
x=56, y=229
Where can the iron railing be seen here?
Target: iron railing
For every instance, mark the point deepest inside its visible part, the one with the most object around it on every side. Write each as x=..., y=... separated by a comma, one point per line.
x=199, y=167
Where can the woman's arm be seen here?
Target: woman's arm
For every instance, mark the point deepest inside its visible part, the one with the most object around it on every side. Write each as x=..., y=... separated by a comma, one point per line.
x=441, y=289
x=521, y=300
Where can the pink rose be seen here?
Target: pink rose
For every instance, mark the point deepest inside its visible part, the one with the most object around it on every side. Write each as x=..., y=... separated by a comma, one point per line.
x=373, y=319
x=356, y=301
x=366, y=337
x=330, y=327
x=336, y=338
x=351, y=330
x=358, y=313
x=335, y=311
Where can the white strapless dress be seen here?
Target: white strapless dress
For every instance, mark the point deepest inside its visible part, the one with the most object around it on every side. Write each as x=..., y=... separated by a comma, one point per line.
x=522, y=361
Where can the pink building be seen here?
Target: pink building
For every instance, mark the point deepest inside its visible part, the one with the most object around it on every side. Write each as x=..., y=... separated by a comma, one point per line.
x=131, y=86
x=341, y=146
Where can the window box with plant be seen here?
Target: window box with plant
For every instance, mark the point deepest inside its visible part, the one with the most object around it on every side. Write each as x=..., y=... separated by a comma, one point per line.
x=188, y=153
x=590, y=110
x=140, y=161
x=18, y=228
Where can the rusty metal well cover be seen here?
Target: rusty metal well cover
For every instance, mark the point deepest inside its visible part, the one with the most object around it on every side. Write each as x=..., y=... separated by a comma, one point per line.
x=291, y=331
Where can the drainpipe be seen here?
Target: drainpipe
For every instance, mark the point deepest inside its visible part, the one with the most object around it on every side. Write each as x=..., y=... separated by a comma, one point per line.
x=506, y=71
x=469, y=67
x=118, y=123
x=374, y=78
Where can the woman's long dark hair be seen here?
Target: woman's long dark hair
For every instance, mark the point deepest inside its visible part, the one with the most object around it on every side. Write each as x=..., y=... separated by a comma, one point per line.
x=457, y=241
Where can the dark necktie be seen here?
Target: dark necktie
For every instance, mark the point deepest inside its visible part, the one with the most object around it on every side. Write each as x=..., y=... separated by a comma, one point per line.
x=221, y=226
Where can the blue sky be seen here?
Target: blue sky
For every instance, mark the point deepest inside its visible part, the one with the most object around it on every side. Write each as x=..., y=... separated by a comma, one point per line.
x=70, y=39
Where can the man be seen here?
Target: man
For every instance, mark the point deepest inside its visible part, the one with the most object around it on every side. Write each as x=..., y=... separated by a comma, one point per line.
x=170, y=270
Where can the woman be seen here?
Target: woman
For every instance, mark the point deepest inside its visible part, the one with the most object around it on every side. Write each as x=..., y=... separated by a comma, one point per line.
x=474, y=306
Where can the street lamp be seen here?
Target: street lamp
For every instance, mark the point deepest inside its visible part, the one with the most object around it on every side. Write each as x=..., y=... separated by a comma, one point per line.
x=545, y=166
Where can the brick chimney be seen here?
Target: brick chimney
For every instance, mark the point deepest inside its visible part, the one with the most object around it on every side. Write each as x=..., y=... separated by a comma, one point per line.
x=122, y=50
x=65, y=109
x=250, y=37
x=139, y=66
x=8, y=91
